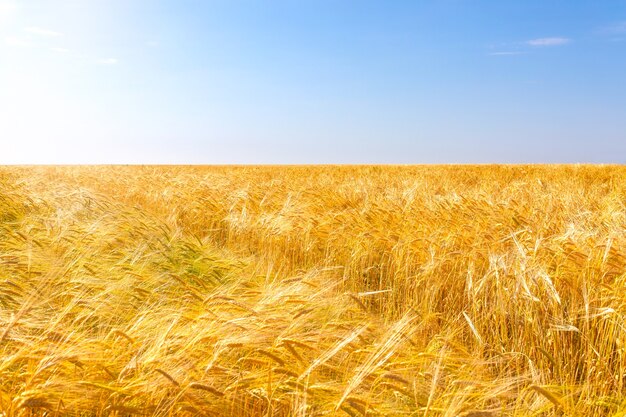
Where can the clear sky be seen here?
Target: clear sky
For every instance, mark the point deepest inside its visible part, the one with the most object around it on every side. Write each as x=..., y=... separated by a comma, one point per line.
x=181, y=81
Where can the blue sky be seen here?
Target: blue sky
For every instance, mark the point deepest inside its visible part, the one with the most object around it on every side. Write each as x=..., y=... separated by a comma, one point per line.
x=153, y=81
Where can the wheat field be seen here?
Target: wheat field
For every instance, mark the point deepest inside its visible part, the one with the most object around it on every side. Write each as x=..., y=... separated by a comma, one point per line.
x=475, y=291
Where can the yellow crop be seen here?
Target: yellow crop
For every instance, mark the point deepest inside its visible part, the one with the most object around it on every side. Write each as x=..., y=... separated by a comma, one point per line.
x=475, y=291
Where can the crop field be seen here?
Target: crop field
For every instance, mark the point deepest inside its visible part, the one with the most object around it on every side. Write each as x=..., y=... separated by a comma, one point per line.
x=475, y=291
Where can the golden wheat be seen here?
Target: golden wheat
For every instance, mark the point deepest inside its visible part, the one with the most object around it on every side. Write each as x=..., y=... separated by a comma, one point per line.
x=313, y=291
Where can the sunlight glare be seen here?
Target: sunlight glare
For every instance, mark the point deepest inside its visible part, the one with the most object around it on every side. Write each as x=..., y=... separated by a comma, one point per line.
x=7, y=10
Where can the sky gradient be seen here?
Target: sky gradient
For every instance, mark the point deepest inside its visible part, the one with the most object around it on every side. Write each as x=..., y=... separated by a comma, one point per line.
x=219, y=82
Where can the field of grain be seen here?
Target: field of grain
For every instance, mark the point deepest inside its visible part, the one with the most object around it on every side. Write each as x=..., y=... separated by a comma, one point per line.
x=476, y=291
